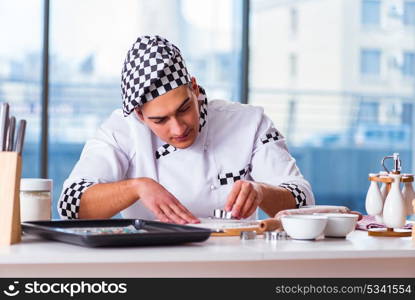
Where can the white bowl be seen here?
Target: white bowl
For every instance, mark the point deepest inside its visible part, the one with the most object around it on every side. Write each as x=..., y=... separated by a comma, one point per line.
x=304, y=227
x=339, y=225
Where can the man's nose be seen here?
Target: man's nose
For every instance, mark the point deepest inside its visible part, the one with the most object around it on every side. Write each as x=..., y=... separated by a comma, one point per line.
x=178, y=127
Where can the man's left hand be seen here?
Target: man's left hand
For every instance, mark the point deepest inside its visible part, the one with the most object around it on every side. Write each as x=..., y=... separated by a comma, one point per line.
x=244, y=198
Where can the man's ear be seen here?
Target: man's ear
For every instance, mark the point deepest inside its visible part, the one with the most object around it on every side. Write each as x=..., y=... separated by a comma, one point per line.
x=139, y=113
x=195, y=87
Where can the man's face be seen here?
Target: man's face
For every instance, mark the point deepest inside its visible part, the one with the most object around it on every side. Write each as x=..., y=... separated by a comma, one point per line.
x=173, y=116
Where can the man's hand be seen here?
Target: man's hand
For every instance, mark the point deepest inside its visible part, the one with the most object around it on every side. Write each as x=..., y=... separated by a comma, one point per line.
x=244, y=198
x=162, y=203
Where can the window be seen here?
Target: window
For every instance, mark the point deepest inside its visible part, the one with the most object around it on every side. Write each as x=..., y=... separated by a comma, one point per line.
x=408, y=66
x=370, y=12
x=293, y=20
x=20, y=72
x=370, y=62
x=368, y=112
x=409, y=13
x=293, y=65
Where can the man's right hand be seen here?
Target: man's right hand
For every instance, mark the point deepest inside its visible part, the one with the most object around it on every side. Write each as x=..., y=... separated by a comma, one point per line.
x=162, y=203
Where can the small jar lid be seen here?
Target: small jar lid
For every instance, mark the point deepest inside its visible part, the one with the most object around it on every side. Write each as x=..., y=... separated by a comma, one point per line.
x=36, y=184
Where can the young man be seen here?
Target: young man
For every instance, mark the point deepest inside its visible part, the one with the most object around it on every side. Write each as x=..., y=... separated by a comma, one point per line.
x=172, y=156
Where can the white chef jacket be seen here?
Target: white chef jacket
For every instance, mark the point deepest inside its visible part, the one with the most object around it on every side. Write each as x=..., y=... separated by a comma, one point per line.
x=236, y=141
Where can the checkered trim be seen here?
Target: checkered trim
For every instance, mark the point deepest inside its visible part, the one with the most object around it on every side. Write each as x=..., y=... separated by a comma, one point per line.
x=228, y=178
x=203, y=108
x=153, y=67
x=69, y=202
x=299, y=195
x=165, y=150
x=272, y=136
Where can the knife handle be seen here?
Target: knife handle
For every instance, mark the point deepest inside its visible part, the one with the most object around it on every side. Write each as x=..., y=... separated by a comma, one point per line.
x=20, y=137
x=4, y=118
x=10, y=134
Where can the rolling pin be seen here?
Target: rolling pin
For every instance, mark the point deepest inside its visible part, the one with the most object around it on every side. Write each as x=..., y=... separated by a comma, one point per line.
x=269, y=225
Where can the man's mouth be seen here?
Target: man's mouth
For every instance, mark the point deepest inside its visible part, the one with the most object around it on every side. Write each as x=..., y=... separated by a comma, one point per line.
x=183, y=137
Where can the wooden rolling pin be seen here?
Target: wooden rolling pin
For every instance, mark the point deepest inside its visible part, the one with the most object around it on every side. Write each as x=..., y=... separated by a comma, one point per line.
x=264, y=225
x=269, y=225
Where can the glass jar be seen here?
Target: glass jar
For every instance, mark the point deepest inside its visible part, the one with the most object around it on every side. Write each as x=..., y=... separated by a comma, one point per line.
x=35, y=199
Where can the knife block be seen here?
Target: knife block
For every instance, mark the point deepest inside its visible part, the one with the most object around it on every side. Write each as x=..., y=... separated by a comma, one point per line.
x=10, y=173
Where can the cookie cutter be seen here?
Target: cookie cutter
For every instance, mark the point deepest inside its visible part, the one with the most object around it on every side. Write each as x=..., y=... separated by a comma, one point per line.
x=248, y=235
x=222, y=214
x=275, y=235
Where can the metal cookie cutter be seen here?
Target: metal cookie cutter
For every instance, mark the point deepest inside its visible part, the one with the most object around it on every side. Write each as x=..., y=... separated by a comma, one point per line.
x=222, y=214
x=282, y=235
x=275, y=235
x=248, y=235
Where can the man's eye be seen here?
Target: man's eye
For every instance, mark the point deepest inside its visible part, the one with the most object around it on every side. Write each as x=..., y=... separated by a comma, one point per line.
x=160, y=121
x=184, y=109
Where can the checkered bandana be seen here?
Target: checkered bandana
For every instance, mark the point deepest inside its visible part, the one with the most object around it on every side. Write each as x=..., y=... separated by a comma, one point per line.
x=153, y=67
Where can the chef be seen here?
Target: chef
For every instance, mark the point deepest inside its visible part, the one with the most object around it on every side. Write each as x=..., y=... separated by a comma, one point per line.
x=172, y=155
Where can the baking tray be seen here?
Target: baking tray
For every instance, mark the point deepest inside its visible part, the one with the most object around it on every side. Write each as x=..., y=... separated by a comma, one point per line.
x=135, y=232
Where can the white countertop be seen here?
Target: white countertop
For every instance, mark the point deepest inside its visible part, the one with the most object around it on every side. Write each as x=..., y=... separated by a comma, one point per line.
x=357, y=247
